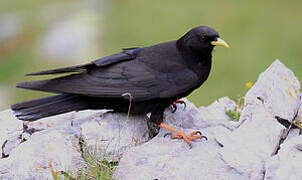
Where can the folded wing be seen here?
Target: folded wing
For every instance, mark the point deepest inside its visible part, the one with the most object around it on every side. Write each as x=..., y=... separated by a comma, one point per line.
x=122, y=76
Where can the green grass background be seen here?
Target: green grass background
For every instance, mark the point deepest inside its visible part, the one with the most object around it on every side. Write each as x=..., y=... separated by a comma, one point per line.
x=257, y=31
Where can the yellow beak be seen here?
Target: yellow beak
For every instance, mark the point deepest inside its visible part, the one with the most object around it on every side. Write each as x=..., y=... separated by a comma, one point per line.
x=220, y=42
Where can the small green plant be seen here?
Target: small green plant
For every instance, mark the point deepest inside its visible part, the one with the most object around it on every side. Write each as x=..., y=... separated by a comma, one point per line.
x=233, y=114
x=97, y=168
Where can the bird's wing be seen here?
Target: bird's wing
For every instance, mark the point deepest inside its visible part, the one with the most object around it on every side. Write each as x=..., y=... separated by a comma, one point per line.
x=132, y=77
x=125, y=55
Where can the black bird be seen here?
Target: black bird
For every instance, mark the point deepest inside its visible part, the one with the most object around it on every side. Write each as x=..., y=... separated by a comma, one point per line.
x=149, y=78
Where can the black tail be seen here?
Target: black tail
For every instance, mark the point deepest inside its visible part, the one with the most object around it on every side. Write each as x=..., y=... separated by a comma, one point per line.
x=49, y=106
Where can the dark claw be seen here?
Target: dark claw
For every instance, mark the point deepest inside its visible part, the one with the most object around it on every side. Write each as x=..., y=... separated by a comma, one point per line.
x=190, y=146
x=168, y=134
x=182, y=102
x=174, y=106
x=185, y=104
x=198, y=132
x=204, y=137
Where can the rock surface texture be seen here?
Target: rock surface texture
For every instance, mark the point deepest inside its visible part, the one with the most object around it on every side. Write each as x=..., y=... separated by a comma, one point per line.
x=261, y=145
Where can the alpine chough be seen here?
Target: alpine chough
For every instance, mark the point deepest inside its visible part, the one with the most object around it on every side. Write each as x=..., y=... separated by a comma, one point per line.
x=150, y=78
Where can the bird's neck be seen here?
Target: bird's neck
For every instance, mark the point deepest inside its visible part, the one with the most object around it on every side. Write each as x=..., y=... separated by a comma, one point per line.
x=194, y=57
x=199, y=62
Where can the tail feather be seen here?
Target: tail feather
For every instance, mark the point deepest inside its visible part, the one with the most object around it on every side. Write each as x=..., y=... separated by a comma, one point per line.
x=49, y=106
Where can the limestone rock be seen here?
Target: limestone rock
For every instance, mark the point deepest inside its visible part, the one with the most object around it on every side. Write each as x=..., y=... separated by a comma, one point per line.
x=278, y=90
x=202, y=117
x=10, y=128
x=252, y=143
x=30, y=160
x=114, y=133
x=287, y=163
x=56, y=139
x=276, y=93
x=164, y=158
x=215, y=114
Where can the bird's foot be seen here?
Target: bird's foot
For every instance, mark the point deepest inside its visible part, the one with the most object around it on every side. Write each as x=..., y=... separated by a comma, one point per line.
x=174, y=105
x=181, y=135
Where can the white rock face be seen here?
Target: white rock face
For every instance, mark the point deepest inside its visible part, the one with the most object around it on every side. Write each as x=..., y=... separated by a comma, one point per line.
x=30, y=147
x=173, y=159
x=30, y=160
x=10, y=128
x=276, y=93
x=248, y=149
x=164, y=158
x=252, y=143
x=287, y=164
x=215, y=114
x=114, y=134
x=278, y=88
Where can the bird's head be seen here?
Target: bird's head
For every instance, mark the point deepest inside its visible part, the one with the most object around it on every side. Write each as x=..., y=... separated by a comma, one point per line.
x=202, y=39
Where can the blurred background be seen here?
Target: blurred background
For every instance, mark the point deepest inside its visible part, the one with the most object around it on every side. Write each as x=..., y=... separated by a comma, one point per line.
x=39, y=35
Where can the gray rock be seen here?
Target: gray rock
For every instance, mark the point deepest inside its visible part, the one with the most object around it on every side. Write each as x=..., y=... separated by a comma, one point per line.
x=247, y=147
x=109, y=134
x=71, y=121
x=287, y=163
x=10, y=130
x=276, y=93
x=114, y=133
x=164, y=158
x=278, y=89
x=10, y=144
x=202, y=117
x=30, y=160
x=215, y=114
x=15, y=131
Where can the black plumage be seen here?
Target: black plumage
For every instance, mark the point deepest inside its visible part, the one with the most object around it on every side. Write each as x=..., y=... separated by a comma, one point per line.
x=154, y=77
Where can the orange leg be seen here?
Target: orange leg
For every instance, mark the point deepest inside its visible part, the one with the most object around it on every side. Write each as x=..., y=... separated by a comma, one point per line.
x=181, y=135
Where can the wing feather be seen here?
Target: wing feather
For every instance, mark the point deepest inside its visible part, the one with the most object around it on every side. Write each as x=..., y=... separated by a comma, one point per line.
x=125, y=55
x=145, y=73
x=131, y=77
